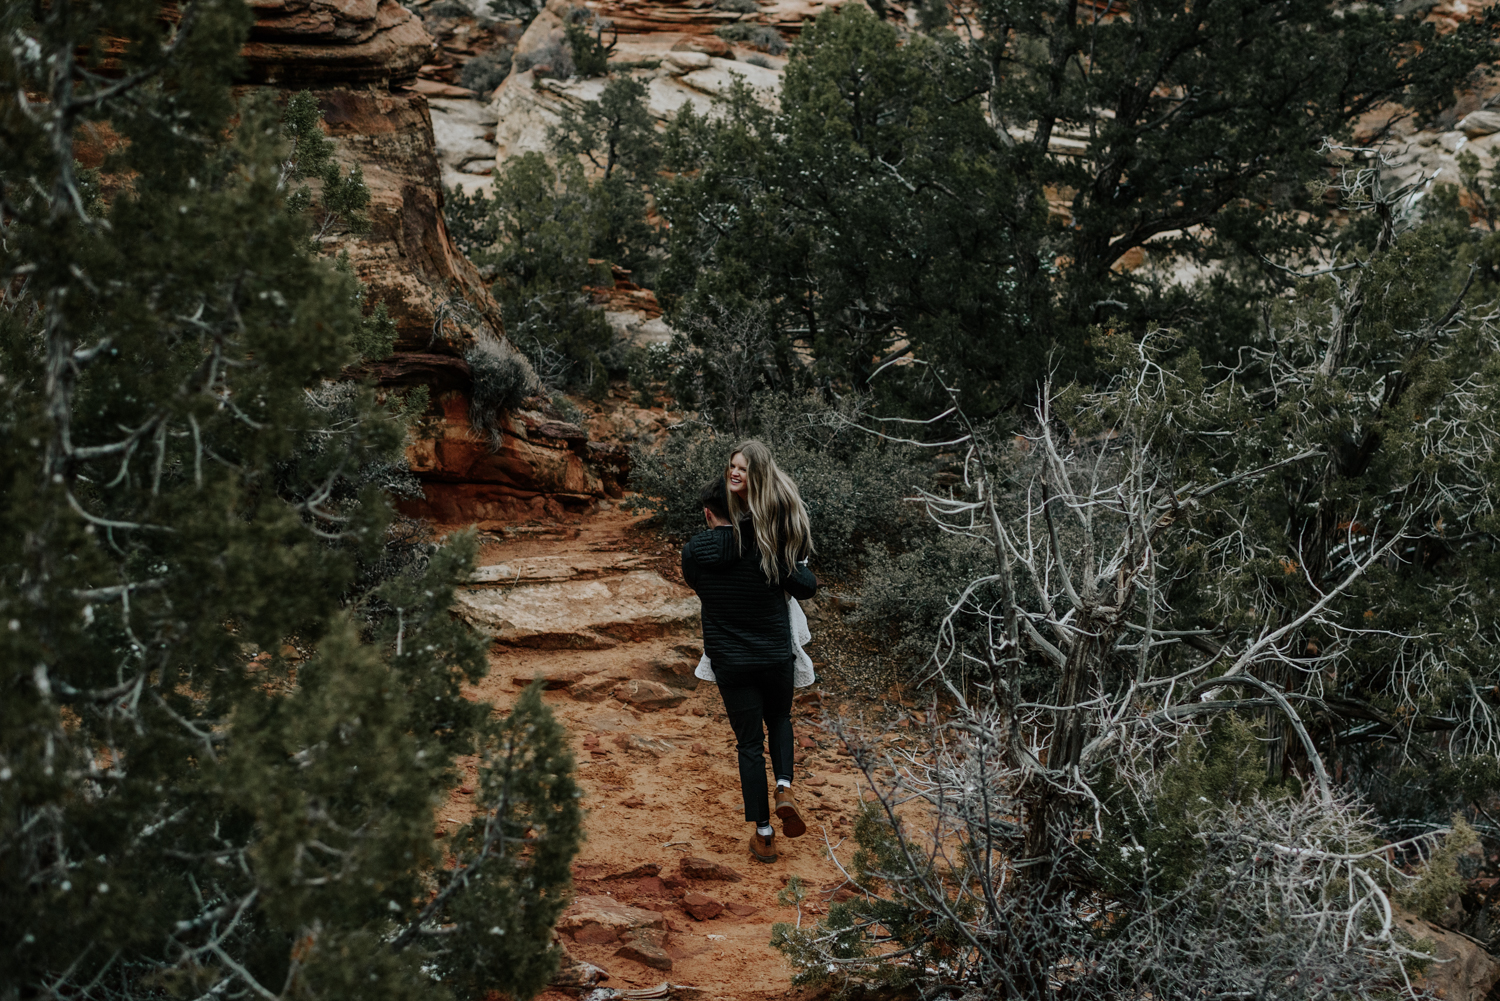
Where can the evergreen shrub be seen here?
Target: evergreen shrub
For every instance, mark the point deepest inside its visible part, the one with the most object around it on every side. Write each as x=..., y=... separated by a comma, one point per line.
x=486, y=71
x=854, y=485
x=757, y=36
x=502, y=379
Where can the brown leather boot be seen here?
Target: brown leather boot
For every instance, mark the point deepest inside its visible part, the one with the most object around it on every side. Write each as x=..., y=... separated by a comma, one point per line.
x=792, y=824
x=763, y=849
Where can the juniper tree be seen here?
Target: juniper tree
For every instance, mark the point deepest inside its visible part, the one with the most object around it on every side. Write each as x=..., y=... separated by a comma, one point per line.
x=230, y=686
x=972, y=199
x=1228, y=658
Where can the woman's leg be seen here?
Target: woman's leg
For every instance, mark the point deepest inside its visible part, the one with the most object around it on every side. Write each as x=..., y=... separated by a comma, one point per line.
x=746, y=709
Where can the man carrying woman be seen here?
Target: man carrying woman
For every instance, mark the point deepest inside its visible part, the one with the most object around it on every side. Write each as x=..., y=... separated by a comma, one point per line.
x=752, y=556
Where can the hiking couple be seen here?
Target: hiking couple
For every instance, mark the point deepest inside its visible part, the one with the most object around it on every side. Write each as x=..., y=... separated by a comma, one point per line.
x=747, y=568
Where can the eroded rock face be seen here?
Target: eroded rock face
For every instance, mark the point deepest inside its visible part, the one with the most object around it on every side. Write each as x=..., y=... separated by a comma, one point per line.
x=296, y=43
x=356, y=56
x=407, y=258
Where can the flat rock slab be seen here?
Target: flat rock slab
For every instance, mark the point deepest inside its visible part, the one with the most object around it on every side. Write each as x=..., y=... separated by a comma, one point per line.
x=646, y=953
x=702, y=868
x=552, y=679
x=585, y=614
x=541, y=569
x=701, y=906
x=597, y=919
x=654, y=746
x=649, y=696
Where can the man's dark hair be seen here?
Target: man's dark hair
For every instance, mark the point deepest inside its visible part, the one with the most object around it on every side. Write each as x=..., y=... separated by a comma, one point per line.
x=714, y=497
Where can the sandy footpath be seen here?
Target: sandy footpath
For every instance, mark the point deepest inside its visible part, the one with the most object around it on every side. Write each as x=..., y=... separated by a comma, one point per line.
x=666, y=889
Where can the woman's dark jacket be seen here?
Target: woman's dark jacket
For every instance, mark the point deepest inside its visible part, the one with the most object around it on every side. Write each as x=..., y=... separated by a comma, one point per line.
x=745, y=620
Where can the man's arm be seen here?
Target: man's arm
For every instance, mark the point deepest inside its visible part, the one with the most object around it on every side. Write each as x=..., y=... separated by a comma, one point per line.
x=712, y=548
x=800, y=584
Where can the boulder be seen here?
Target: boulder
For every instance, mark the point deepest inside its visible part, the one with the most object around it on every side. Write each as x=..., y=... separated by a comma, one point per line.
x=702, y=868
x=575, y=974
x=1464, y=971
x=701, y=906
x=1483, y=122
x=646, y=947
x=678, y=63
x=598, y=919
x=706, y=45
x=649, y=696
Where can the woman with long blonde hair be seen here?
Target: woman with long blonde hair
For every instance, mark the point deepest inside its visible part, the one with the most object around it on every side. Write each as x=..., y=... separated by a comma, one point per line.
x=752, y=557
x=760, y=492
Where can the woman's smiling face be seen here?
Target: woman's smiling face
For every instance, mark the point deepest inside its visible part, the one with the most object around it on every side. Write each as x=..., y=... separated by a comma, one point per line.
x=739, y=475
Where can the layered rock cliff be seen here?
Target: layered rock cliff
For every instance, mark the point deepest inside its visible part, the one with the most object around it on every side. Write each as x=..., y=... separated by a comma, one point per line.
x=360, y=59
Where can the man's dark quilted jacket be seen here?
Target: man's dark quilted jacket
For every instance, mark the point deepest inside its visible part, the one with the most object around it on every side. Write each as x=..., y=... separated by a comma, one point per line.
x=745, y=620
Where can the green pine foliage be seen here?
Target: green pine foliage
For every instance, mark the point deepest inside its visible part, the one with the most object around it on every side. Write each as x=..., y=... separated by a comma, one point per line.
x=854, y=485
x=550, y=228
x=898, y=202
x=535, y=235
x=230, y=684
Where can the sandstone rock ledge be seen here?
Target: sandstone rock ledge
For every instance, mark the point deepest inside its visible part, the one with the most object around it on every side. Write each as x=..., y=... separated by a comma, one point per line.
x=360, y=60
x=300, y=43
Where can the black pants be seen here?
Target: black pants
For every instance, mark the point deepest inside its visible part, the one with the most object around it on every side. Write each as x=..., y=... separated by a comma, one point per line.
x=754, y=699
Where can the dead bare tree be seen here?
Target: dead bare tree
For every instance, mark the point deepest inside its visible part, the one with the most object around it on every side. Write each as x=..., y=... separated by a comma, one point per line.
x=1135, y=600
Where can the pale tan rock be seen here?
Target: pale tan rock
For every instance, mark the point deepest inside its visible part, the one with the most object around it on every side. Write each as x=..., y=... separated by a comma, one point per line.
x=588, y=614
x=1464, y=971
x=686, y=62
x=335, y=42
x=721, y=75
x=546, y=29
x=533, y=569
x=599, y=919
x=1484, y=122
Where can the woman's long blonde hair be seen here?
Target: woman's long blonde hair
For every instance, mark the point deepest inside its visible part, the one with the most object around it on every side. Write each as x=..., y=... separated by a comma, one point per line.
x=776, y=510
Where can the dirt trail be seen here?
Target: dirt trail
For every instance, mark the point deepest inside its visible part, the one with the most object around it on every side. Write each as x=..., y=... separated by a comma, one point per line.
x=597, y=609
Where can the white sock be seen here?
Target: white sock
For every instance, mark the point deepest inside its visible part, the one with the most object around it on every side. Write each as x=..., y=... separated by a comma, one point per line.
x=783, y=783
x=764, y=830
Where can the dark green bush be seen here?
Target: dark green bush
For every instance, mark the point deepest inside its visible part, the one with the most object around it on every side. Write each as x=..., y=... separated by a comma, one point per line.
x=590, y=53
x=854, y=484
x=486, y=71
x=757, y=36
x=535, y=237
x=907, y=589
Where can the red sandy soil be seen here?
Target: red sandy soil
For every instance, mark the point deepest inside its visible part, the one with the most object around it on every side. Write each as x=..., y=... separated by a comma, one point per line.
x=686, y=803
